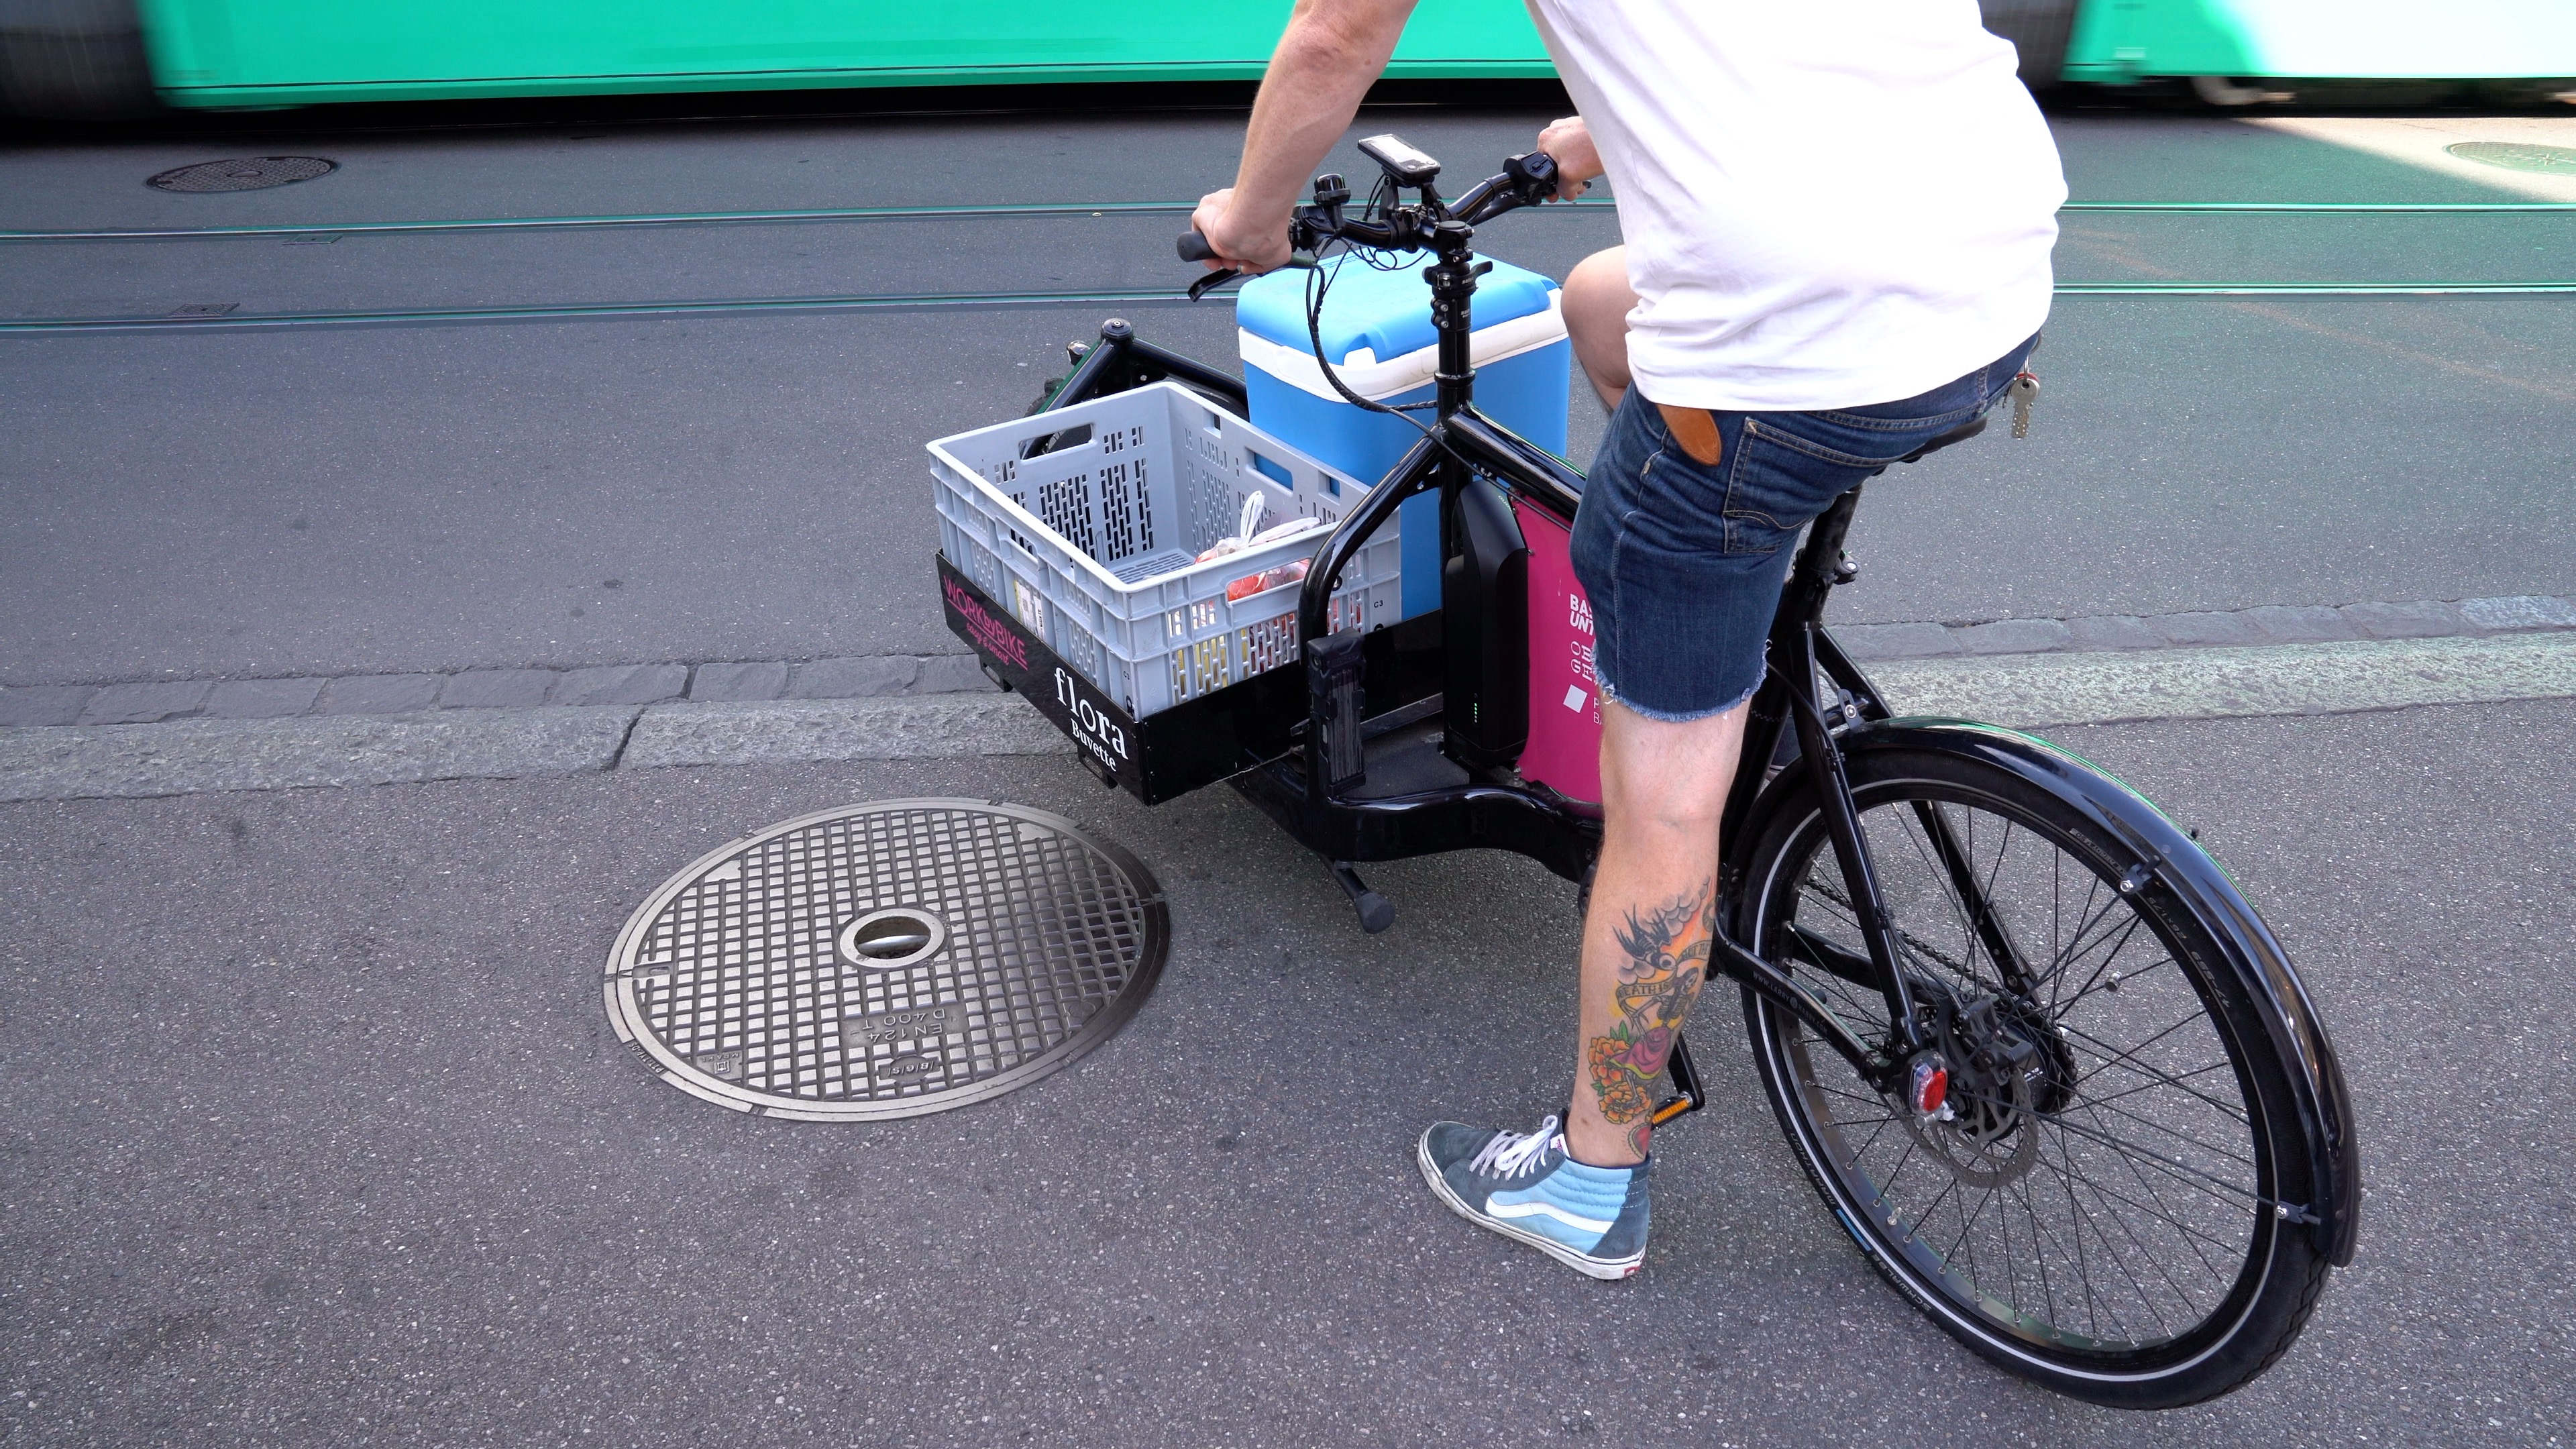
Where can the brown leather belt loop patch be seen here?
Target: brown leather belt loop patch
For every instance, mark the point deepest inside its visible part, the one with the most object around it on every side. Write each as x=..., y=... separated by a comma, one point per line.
x=1696, y=430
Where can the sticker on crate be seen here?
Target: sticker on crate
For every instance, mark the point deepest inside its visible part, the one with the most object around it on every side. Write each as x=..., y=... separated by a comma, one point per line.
x=1024, y=664
x=990, y=634
x=1154, y=542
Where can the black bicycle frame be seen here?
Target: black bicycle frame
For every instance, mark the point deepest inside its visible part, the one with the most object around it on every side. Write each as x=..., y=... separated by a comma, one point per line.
x=1310, y=789
x=1565, y=835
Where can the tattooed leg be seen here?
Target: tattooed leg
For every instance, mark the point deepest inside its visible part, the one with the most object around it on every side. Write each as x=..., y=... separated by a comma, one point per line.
x=1654, y=898
x=1663, y=958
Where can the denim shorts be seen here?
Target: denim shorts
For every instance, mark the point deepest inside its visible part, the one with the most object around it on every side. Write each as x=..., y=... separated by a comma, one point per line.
x=1683, y=563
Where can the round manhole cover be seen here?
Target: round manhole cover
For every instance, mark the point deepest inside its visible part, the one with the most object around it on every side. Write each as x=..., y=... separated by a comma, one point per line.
x=249, y=174
x=887, y=960
x=2518, y=156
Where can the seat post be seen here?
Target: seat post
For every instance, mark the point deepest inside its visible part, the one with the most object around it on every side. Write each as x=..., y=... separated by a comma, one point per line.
x=1820, y=564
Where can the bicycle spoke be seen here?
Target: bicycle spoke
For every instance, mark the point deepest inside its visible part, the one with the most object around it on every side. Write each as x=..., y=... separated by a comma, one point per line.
x=2039, y=1230
x=2146, y=1300
x=2181, y=1171
x=1923, y=850
x=2127, y=1060
x=1917, y=944
x=2127, y=933
x=2083, y=1272
x=2165, y=1212
x=2094, y=1105
x=2084, y=1218
x=2159, y=1214
x=2162, y=1214
x=2069, y=1168
x=2083, y=932
x=2177, y=1084
x=2124, y=983
x=2123, y=1062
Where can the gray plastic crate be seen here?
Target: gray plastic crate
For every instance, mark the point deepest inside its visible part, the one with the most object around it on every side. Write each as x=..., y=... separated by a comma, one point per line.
x=1089, y=542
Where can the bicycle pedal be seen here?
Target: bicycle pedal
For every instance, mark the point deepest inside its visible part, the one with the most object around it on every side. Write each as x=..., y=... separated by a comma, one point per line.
x=1689, y=1096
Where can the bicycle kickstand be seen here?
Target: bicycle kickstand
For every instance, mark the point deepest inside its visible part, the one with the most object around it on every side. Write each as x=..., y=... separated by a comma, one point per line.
x=1376, y=911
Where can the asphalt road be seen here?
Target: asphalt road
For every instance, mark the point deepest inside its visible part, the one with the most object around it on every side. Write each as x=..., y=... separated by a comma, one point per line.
x=391, y=499
x=313, y=1130
x=315, y=1133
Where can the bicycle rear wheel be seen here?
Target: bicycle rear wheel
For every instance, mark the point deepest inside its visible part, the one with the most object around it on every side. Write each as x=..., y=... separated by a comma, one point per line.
x=2100, y=1209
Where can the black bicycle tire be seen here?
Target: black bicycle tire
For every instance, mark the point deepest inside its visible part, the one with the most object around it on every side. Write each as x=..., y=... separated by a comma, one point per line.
x=2292, y=1278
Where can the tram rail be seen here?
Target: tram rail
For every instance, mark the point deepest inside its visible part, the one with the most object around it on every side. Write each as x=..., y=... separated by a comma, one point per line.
x=1140, y=208
x=933, y=301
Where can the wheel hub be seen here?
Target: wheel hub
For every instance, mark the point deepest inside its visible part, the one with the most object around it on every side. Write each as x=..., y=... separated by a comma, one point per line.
x=2007, y=1062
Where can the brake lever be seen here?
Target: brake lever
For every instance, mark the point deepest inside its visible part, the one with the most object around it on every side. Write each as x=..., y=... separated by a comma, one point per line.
x=1212, y=281
x=1297, y=260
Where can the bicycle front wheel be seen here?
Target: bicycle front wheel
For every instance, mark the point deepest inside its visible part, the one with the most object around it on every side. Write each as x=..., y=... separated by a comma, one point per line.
x=2099, y=1207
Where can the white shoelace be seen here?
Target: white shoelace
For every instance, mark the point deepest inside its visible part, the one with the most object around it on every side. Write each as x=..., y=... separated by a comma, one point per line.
x=1509, y=1154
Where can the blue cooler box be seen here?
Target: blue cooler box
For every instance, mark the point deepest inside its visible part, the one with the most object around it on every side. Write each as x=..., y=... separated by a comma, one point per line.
x=1377, y=329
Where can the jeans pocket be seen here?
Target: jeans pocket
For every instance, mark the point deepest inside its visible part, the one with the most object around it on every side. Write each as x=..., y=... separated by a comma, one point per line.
x=1778, y=483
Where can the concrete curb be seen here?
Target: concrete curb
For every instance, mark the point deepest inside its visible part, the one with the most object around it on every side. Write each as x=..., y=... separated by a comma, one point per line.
x=2034, y=690
x=2028, y=691
x=75, y=762
x=811, y=731
x=892, y=676
x=157, y=701
x=2215, y=628
x=186, y=757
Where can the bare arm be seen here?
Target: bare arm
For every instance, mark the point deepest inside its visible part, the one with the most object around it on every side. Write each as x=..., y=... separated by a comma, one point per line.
x=1332, y=52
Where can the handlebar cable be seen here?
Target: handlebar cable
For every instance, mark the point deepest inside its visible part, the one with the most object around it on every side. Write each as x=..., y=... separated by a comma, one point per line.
x=1383, y=199
x=1318, y=283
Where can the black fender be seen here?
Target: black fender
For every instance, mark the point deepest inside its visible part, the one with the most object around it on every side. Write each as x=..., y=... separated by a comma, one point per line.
x=2192, y=879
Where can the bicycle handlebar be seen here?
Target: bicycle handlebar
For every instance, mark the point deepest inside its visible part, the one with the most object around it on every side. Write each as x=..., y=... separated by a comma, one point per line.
x=1525, y=180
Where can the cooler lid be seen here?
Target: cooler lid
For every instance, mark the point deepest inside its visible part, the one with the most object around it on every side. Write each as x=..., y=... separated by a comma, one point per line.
x=1387, y=312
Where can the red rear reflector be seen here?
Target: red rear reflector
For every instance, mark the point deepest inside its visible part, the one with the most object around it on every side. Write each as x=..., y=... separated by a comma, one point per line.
x=1931, y=1087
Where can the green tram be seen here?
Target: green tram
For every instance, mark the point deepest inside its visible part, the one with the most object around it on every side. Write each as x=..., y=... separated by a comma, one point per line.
x=105, y=58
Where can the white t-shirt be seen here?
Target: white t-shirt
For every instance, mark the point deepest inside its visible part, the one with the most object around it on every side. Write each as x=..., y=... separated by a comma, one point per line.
x=1827, y=203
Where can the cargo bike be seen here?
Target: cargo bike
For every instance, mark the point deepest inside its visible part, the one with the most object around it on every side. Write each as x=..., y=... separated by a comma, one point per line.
x=2039, y=1056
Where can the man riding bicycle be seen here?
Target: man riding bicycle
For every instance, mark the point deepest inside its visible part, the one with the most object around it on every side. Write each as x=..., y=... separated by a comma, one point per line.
x=1838, y=218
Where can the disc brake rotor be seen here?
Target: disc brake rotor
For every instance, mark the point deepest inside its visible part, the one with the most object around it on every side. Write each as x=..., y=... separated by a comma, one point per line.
x=2008, y=1064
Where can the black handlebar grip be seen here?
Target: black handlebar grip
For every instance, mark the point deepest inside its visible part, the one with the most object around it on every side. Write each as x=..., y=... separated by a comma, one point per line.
x=1195, y=248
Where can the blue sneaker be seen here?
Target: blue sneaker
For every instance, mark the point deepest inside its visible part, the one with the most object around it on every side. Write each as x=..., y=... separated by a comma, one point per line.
x=1523, y=1186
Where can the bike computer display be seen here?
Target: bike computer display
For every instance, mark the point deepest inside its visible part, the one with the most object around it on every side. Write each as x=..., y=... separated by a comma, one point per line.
x=1403, y=163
